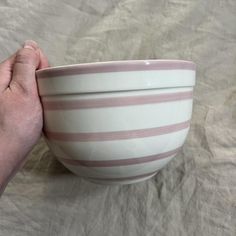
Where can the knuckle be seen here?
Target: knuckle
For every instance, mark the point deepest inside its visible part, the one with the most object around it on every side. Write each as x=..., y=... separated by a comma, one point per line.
x=25, y=56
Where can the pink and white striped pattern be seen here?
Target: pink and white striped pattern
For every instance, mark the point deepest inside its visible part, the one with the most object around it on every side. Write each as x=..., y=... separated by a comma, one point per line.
x=115, y=76
x=119, y=162
x=117, y=122
x=116, y=135
x=104, y=167
x=116, y=66
x=116, y=101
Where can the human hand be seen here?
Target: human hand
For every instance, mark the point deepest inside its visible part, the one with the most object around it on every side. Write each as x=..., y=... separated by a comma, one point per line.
x=20, y=108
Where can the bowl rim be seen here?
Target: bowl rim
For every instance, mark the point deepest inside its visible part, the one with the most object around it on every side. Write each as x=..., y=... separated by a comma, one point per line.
x=116, y=66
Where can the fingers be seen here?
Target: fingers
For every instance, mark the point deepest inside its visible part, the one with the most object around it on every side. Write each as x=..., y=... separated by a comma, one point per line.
x=27, y=61
x=18, y=71
x=43, y=60
x=6, y=72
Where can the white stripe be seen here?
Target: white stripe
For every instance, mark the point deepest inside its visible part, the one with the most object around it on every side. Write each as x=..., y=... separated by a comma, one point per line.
x=110, y=150
x=118, y=118
x=108, y=81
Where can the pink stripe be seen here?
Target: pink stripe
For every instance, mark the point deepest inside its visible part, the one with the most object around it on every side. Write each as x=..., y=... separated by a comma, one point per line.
x=117, y=101
x=123, y=178
x=104, y=67
x=116, y=135
x=120, y=162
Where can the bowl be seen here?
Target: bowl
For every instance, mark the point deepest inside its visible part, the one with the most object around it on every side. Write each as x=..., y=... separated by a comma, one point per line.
x=117, y=122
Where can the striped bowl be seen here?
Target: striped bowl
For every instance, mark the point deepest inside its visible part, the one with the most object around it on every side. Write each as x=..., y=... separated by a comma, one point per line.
x=117, y=122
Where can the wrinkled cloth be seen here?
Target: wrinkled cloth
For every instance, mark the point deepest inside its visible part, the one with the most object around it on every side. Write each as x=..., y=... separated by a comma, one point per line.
x=195, y=194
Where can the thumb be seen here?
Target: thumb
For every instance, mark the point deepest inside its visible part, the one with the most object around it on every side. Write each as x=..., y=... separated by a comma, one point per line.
x=27, y=61
x=6, y=72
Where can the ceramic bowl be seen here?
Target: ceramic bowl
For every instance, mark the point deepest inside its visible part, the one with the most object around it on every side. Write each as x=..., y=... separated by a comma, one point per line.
x=117, y=122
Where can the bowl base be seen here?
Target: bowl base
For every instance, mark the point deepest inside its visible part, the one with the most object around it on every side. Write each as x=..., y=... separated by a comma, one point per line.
x=120, y=182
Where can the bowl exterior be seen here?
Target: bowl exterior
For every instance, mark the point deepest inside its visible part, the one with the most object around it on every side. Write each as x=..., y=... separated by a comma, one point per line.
x=117, y=137
x=116, y=76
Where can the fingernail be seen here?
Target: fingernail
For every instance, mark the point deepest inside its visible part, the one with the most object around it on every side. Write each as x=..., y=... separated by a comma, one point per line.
x=30, y=44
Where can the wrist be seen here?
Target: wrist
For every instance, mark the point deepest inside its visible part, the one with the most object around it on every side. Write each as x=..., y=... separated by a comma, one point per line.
x=12, y=155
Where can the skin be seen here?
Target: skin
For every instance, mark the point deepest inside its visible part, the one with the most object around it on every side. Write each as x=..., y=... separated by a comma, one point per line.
x=21, y=118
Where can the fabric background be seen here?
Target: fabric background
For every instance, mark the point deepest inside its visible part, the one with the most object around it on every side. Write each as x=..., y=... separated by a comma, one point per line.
x=195, y=194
